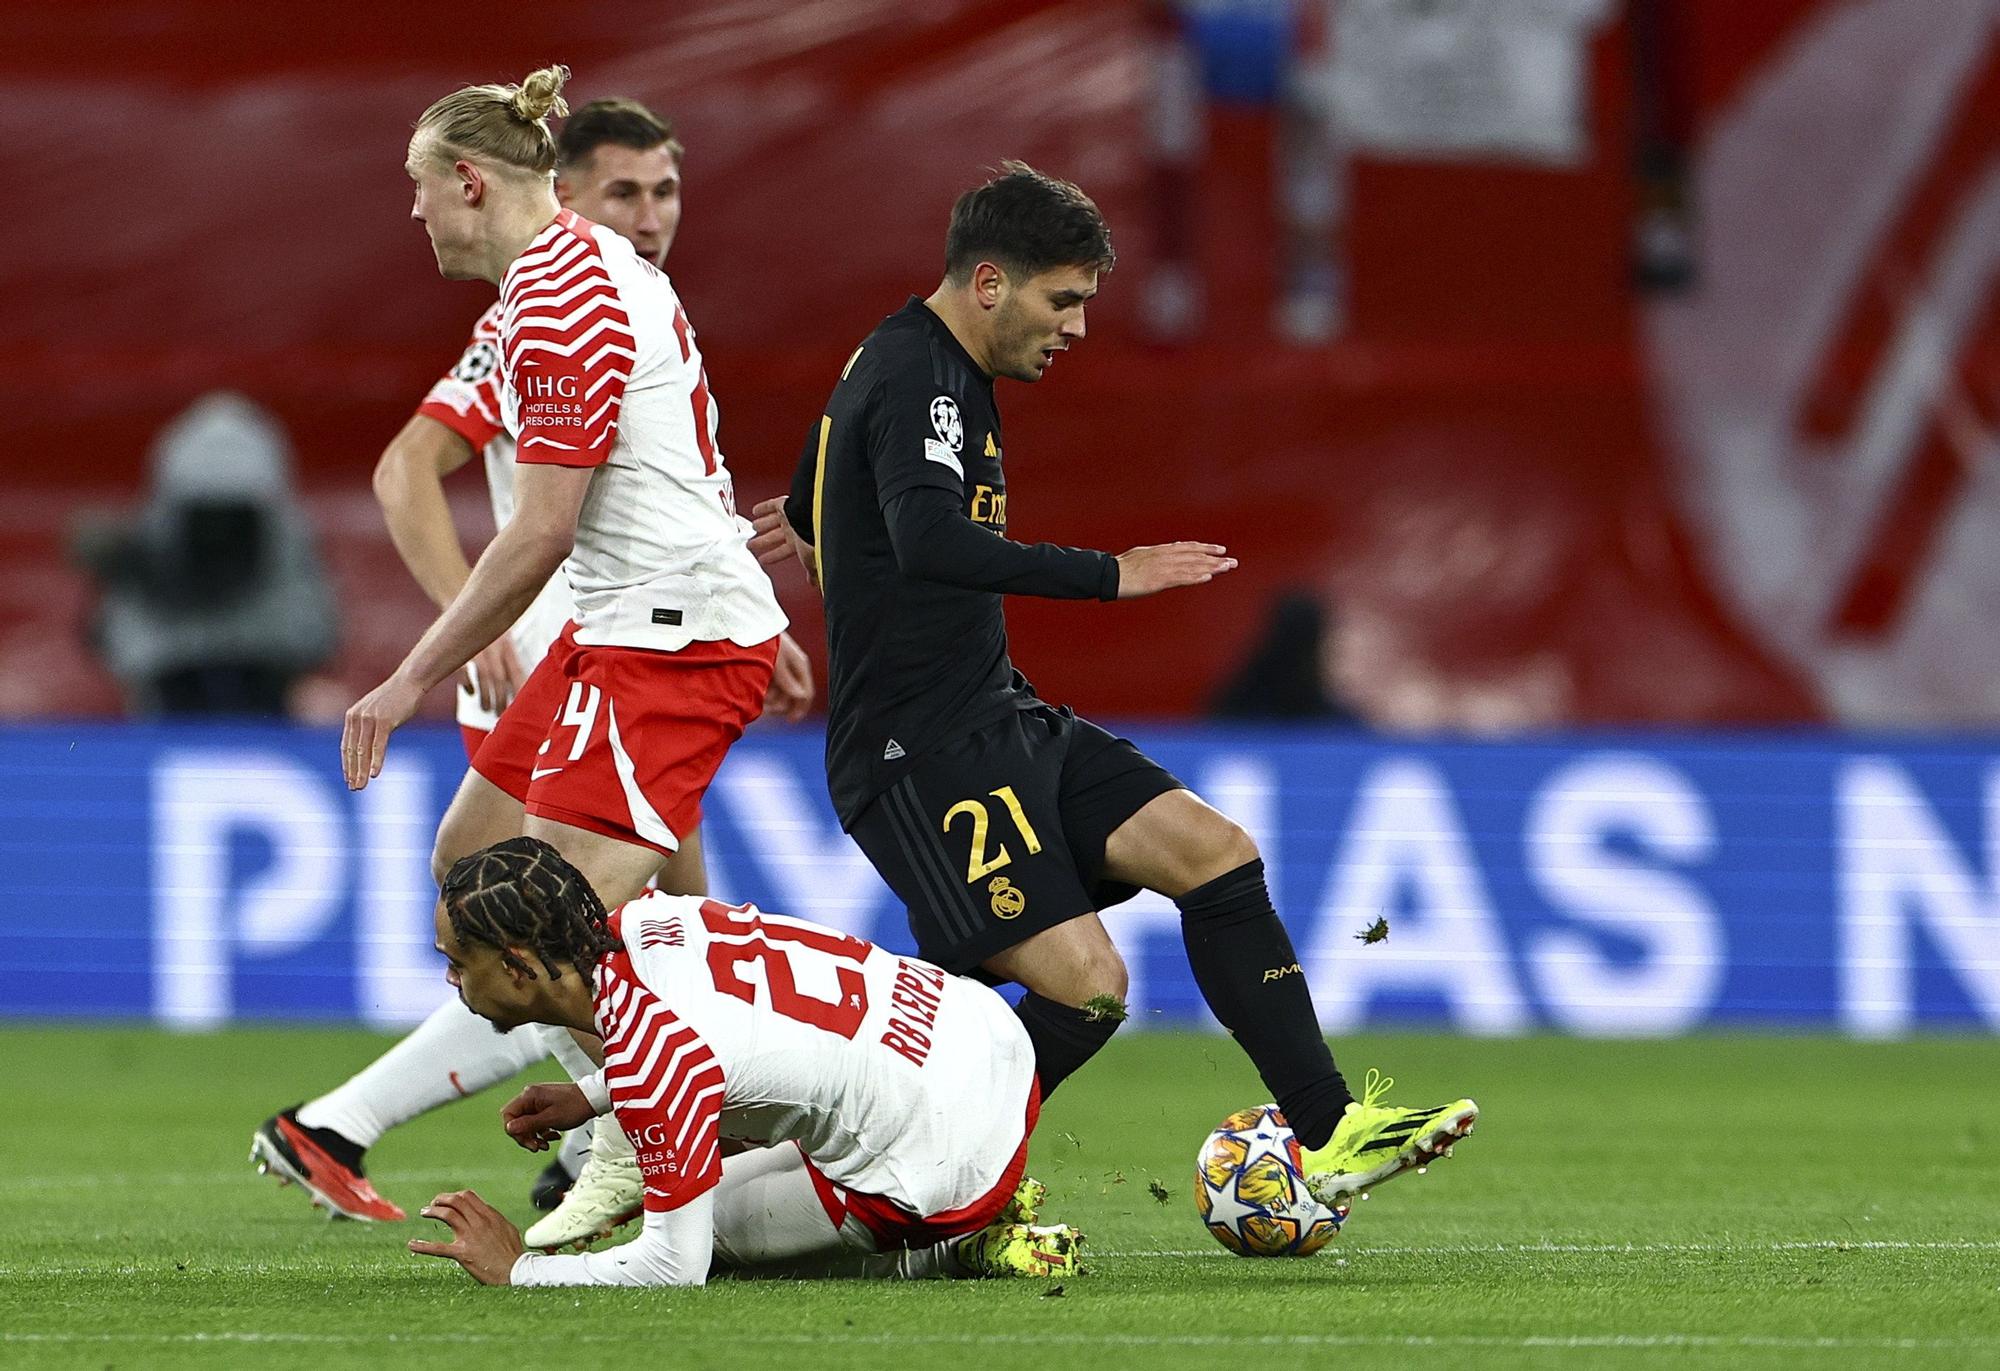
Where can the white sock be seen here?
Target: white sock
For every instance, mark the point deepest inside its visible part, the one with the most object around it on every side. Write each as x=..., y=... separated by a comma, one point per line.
x=452, y=1054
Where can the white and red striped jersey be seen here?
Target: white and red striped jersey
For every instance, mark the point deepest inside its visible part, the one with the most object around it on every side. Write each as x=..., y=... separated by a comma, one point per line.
x=721, y=1021
x=467, y=401
x=602, y=371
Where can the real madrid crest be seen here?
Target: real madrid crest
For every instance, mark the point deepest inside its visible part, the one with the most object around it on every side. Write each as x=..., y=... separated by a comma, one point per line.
x=1008, y=899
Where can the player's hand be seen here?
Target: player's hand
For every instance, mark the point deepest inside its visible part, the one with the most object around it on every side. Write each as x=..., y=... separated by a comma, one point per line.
x=772, y=539
x=495, y=675
x=791, y=694
x=1150, y=570
x=364, y=737
x=483, y=1242
x=544, y=1112
x=776, y=539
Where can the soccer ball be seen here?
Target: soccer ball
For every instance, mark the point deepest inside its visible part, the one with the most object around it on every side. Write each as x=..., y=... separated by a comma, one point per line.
x=1251, y=1193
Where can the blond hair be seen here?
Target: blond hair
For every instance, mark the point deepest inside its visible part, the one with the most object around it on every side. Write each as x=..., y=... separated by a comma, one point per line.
x=504, y=124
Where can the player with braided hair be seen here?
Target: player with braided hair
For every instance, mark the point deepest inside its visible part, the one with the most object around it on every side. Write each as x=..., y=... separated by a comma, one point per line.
x=886, y=1105
x=520, y=897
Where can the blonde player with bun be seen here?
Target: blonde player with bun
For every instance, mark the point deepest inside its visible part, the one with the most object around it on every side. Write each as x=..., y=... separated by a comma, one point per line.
x=615, y=734
x=618, y=164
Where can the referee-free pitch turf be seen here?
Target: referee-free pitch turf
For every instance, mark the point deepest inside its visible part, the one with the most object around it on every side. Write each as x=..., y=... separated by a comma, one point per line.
x=1717, y=1201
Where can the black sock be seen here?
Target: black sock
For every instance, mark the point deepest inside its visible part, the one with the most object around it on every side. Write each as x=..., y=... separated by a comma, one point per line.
x=337, y=1145
x=1246, y=968
x=1064, y=1038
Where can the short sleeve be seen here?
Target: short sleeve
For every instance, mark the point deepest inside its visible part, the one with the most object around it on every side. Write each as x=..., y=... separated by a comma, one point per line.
x=666, y=1088
x=569, y=349
x=466, y=399
x=916, y=436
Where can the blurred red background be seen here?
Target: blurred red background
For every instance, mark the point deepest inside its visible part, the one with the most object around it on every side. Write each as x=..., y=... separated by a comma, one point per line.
x=1478, y=470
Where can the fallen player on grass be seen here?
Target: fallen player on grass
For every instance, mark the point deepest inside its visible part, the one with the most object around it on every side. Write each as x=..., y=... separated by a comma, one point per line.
x=889, y=1105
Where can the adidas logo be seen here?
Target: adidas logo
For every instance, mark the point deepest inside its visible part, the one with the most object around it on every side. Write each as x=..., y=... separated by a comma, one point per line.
x=893, y=752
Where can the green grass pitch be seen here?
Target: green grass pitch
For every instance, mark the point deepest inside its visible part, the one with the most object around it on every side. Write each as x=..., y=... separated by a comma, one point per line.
x=1726, y=1201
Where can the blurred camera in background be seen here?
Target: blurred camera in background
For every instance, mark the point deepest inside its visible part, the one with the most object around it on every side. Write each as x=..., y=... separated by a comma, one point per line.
x=212, y=596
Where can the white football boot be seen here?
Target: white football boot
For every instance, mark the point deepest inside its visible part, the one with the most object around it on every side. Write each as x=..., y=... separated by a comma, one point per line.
x=608, y=1194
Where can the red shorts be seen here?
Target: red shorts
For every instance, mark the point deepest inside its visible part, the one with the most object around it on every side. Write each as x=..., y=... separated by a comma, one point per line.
x=895, y=1226
x=473, y=737
x=624, y=741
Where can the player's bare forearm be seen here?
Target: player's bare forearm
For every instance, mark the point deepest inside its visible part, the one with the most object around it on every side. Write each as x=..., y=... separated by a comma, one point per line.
x=509, y=574
x=503, y=583
x=409, y=485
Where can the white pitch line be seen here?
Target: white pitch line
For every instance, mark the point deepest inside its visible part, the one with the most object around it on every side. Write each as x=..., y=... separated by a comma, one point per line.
x=238, y=1176
x=1595, y=1249
x=19, y=1269
x=1559, y=1342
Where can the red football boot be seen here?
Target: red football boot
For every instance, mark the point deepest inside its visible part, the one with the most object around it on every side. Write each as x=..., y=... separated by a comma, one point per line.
x=283, y=1146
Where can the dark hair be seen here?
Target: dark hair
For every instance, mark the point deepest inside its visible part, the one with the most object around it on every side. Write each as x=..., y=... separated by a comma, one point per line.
x=521, y=893
x=1027, y=222
x=625, y=123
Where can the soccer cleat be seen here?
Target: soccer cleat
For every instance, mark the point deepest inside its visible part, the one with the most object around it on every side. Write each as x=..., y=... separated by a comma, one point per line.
x=1377, y=1142
x=1025, y=1204
x=1021, y=1249
x=283, y=1147
x=550, y=1187
x=608, y=1195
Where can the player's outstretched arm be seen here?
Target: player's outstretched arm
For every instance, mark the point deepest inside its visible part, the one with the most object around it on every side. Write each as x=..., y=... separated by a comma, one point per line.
x=1170, y=566
x=509, y=574
x=409, y=485
x=934, y=541
x=674, y=1247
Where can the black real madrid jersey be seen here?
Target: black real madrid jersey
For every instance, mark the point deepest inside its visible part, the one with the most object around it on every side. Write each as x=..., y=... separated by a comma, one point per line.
x=901, y=492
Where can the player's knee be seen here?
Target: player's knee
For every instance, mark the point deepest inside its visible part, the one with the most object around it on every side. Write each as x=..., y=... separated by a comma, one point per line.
x=1224, y=846
x=1083, y=972
x=1235, y=847
x=1101, y=974
x=445, y=852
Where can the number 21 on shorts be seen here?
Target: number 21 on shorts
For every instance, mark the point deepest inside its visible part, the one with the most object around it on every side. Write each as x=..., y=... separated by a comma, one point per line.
x=979, y=865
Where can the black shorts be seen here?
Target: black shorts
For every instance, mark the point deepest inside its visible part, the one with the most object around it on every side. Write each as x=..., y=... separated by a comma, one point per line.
x=1000, y=834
